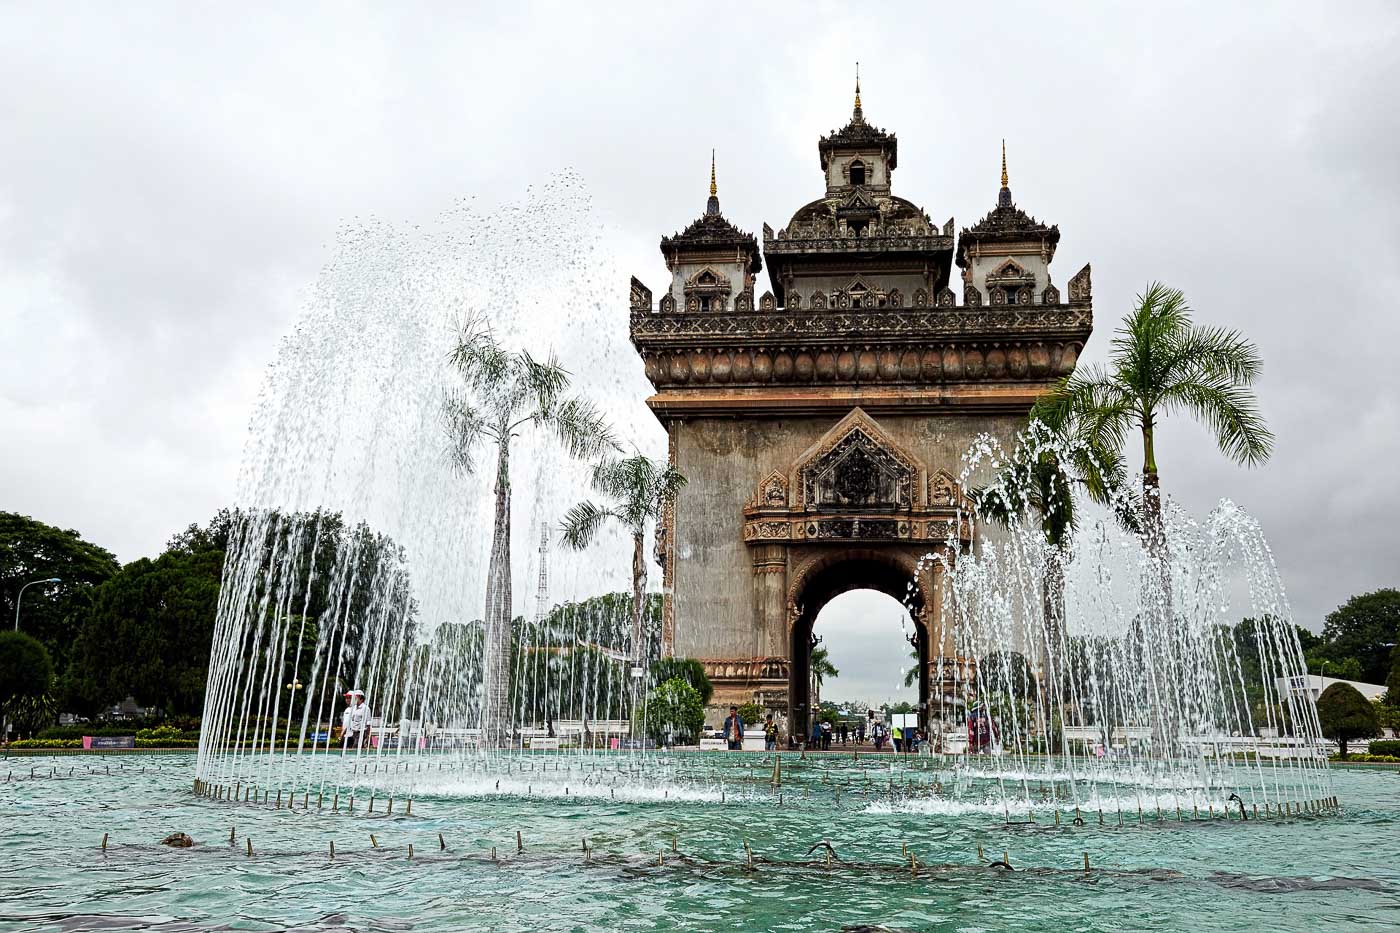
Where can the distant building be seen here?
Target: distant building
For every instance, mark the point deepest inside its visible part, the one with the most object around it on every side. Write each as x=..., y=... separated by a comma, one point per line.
x=1314, y=684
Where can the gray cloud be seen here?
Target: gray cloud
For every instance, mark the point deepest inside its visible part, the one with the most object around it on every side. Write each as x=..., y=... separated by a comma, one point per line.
x=171, y=181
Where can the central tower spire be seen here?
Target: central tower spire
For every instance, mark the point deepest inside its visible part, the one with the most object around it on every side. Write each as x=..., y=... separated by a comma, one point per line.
x=857, y=115
x=712, y=205
x=1004, y=195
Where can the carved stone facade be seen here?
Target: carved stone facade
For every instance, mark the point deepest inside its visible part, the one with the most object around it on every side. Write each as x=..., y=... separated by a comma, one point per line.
x=821, y=427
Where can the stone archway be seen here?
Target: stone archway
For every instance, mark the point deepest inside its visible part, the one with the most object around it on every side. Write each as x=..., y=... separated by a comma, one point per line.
x=825, y=576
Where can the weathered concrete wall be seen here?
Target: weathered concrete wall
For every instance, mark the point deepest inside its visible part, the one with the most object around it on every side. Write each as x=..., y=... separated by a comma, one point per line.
x=714, y=590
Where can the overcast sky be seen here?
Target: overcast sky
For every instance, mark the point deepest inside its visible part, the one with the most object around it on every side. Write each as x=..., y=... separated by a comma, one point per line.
x=171, y=180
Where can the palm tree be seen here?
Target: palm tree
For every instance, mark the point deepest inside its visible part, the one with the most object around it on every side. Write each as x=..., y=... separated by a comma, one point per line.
x=821, y=668
x=1162, y=363
x=640, y=490
x=911, y=676
x=507, y=393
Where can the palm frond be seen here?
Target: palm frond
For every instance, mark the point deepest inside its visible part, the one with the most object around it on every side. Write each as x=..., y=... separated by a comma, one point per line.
x=543, y=383
x=465, y=428
x=580, y=426
x=1229, y=410
x=582, y=523
x=666, y=486
x=482, y=362
x=1217, y=351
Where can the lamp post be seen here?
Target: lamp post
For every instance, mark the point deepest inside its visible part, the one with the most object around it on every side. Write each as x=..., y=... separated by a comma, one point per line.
x=21, y=595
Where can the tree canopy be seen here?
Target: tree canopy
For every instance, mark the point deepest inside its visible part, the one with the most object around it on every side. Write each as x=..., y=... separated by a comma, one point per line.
x=149, y=630
x=687, y=669
x=1365, y=627
x=52, y=612
x=26, y=671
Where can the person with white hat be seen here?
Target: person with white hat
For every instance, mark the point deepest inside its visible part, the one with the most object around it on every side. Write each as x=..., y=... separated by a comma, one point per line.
x=354, y=722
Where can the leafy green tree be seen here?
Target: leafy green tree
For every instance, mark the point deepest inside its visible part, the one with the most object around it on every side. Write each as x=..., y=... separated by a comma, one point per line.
x=26, y=678
x=1339, y=668
x=148, y=635
x=1367, y=628
x=1346, y=715
x=640, y=490
x=1392, y=681
x=674, y=710
x=687, y=669
x=506, y=394
x=52, y=613
x=1162, y=363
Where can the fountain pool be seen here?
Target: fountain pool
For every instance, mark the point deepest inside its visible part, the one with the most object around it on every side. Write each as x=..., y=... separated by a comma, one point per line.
x=1295, y=873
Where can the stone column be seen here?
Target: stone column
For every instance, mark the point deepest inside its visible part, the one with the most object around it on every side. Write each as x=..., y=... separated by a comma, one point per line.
x=770, y=600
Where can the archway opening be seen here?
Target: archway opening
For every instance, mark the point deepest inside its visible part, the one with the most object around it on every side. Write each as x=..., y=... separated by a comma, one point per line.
x=865, y=657
x=870, y=603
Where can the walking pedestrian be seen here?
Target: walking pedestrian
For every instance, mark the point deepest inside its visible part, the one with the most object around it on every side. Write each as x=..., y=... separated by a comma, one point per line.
x=734, y=730
x=354, y=722
x=770, y=733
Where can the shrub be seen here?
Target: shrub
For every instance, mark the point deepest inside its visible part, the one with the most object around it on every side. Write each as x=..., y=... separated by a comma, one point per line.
x=47, y=743
x=1387, y=747
x=1346, y=715
x=159, y=733
x=751, y=714
x=1369, y=759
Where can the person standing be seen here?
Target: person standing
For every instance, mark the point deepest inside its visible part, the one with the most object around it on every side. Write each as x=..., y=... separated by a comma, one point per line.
x=354, y=722
x=770, y=733
x=897, y=734
x=826, y=736
x=815, y=743
x=845, y=732
x=734, y=730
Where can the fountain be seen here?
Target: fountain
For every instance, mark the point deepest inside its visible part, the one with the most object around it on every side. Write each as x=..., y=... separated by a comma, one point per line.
x=1092, y=673
x=1084, y=677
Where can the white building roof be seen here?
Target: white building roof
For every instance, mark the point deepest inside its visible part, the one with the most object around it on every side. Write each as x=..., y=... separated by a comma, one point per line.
x=1316, y=683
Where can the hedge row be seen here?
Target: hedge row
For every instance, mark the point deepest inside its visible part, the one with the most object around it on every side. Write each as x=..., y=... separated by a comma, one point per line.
x=1387, y=747
x=159, y=731
x=78, y=743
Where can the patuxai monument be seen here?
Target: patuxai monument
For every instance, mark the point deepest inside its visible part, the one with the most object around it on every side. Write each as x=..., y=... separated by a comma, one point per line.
x=820, y=415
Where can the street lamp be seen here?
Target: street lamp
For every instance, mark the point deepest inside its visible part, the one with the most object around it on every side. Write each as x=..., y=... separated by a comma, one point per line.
x=21, y=595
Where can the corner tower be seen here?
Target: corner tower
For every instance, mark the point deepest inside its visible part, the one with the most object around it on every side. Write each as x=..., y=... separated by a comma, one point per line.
x=821, y=426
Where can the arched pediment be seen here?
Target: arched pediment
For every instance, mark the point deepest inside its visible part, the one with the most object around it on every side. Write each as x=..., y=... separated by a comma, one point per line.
x=708, y=277
x=772, y=492
x=856, y=466
x=943, y=490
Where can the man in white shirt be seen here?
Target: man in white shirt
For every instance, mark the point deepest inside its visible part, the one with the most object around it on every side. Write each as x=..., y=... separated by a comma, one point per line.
x=354, y=722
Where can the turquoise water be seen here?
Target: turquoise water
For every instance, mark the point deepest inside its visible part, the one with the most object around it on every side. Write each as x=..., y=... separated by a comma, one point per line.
x=1298, y=873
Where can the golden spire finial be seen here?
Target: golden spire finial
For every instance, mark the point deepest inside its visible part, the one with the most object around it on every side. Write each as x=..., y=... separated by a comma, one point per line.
x=1003, y=163
x=857, y=87
x=714, y=190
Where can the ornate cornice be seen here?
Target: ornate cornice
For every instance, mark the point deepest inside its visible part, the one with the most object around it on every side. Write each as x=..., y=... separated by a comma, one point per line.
x=790, y=246
x=930, y=347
